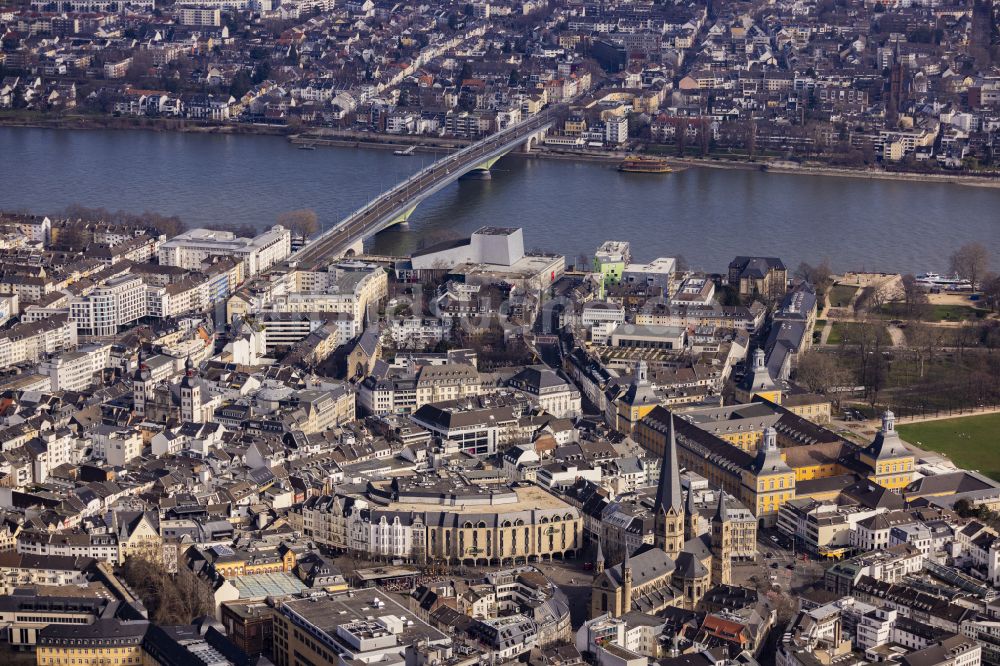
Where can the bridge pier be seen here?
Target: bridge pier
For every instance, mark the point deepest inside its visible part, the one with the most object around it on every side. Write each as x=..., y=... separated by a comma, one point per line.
x=358, y=247
x=482, y=171
x=533, y=140
x=403, y=218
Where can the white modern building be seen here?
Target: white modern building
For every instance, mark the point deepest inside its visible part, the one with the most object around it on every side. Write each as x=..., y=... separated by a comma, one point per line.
x=189, y=249
x=657, y=273
x=119, y=302
x=74, y=371
x=495, y=246
x=200, y=16
x=30, y=341
x=601, y=312
x=284, y=329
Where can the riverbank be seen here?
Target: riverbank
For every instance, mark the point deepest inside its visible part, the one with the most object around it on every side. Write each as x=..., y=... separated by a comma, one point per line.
x=437, y=145
x=323, y=137
x=776, y=166
x=7, y=119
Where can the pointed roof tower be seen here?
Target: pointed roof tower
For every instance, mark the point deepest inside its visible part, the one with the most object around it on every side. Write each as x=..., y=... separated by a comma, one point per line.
x=668, y=493
x=887, y=443
x=721, y=511
x=769, y=460
x=759, y=378
x=188, y=373
x=141, y=369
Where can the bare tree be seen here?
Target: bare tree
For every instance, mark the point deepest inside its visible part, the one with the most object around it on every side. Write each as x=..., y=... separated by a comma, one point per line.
x=914, y=297
x=819, y=372
x=303, y=222
x=73, y=237
x=970, y=262
x=872, y=369
x=923, y=341
x=873, y=299
x=991, y=290
x=819, y=276
x=176, y=599
x=965, y=335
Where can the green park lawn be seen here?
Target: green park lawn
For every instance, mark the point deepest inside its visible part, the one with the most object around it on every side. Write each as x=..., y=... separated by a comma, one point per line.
x=840, y=295
x=847, y=332
x=972, y=442
x=939, y=312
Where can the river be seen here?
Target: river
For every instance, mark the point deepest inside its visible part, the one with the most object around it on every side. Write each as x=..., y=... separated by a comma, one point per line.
x=706, y=215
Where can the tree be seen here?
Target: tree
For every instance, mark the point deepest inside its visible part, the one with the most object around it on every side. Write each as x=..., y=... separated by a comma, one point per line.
x=970, y=262
x=820, y=372
x=72, y=237
x=923, y=341
x=991, y=290
x=914, y=297
x=261, y=72
x=819, y=276
x=240, y=84
x=302, y=221
x=142, y=62
x=869, y=339
x=170, y=599
x=872, y=299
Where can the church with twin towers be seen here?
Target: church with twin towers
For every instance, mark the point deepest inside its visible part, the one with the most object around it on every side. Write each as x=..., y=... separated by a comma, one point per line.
x=695, y=541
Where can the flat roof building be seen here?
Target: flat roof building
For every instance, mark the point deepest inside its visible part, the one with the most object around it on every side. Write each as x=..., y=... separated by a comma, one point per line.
x=189, y=249
x=359, y=626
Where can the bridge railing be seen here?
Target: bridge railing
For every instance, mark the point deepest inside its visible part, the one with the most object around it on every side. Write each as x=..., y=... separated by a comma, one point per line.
x=536, y=120
x=457, y=156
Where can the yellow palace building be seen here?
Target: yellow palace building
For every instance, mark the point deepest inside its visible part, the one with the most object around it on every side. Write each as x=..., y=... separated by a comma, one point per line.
x=777, y=459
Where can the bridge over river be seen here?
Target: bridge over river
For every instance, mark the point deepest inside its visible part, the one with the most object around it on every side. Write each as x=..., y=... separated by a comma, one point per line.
x=397, y=204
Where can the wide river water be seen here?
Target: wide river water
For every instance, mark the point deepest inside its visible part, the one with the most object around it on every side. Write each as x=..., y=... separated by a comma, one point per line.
x=706, y=215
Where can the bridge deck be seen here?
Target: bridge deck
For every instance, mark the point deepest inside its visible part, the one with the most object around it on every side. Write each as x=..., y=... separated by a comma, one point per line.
x=386, y=209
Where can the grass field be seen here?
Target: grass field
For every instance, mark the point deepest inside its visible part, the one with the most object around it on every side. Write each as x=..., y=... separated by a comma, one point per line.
x=847, y=332
x=939, y=312
x=840, y=296
x=971, y=441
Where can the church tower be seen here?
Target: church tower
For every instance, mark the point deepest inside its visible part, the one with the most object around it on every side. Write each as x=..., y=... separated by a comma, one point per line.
x=599, y=560
x=692, y=521
x=626, y=585
x=669, y=507
x=142, y=386
x=190, y=395
x=722, y=541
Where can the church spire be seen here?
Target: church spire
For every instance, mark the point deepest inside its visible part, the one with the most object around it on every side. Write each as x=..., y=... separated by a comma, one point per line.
x=626, y=584
x=668, y=493
x=691, y=506
x=599, y=560
x=722, y=511
x=141, y=369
